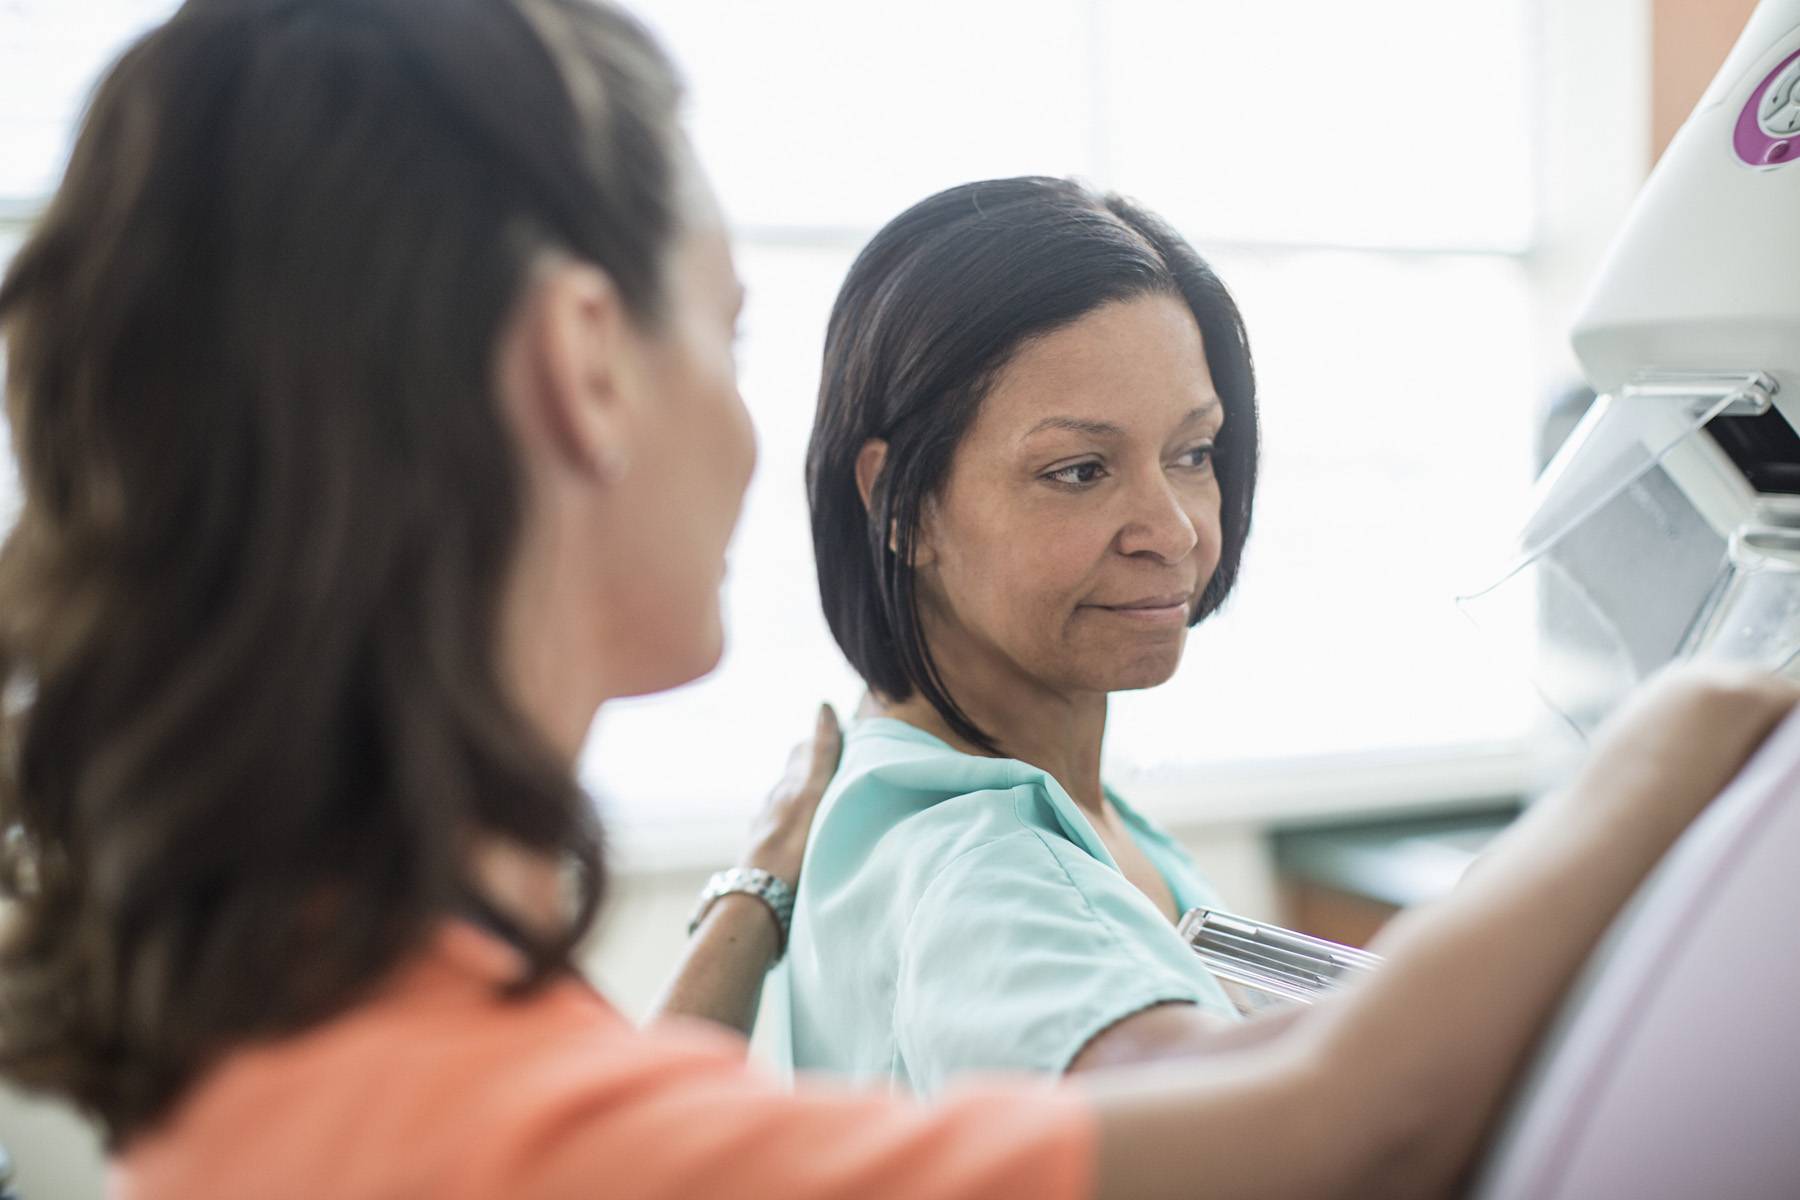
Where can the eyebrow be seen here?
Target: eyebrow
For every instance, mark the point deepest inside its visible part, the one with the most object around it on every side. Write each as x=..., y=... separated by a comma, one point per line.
x=1075, y=425
x=1107, y=429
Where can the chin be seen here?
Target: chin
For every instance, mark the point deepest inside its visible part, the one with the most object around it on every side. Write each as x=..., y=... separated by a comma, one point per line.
x=1122, y=677
x=1140, y=671
x=673, y=664
x=1137, y=681
x=1123, y=665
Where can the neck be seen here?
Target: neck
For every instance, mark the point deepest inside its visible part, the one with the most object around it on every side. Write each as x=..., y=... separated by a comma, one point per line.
x=557, y=679
x=556, y=682
x=1055, y=732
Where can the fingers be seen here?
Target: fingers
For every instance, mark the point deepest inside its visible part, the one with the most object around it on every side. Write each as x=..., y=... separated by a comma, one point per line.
x=827, y=745
x=799, y=760
x=812, y=763
x=1686, y=734
x=778, y=833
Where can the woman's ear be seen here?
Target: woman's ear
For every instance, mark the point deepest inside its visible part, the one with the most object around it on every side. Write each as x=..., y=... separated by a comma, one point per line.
x=869, y=462
x=576, y=333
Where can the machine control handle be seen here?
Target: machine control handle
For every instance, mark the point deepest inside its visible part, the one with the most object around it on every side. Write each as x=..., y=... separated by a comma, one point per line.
x=1744, y=393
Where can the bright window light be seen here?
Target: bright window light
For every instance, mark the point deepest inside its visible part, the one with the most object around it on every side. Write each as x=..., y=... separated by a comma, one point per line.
x=1397, y=123
x=1360, y=175
x=51, y=52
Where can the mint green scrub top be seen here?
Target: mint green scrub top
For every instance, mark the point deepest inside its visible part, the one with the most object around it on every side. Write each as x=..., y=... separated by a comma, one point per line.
x=958, y=914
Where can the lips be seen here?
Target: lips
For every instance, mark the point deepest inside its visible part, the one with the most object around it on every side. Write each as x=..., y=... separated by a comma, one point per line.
x=1167, y=611
x=1166, y=600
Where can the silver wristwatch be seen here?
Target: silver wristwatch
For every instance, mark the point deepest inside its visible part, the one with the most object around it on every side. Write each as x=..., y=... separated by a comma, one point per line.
x=772, y=890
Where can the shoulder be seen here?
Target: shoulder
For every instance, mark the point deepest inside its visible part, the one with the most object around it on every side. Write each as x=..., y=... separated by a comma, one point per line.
x=428, y=1061
x=885, y=755
x=899, y=786
x=902, y=795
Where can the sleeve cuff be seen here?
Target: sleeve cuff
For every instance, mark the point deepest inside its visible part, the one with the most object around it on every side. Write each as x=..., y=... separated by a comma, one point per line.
x=1099, y=1022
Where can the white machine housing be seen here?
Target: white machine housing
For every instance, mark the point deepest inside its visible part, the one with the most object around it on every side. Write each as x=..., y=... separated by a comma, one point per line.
x=1669, y=522
x=1705, y=275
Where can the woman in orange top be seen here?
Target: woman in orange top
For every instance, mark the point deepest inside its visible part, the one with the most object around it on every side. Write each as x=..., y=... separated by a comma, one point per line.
x=372, y=387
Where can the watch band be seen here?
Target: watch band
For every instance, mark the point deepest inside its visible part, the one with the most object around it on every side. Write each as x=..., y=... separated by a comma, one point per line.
x=772, y=890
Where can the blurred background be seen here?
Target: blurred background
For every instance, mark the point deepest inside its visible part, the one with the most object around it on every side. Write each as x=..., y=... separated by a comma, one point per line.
x=1406, y=197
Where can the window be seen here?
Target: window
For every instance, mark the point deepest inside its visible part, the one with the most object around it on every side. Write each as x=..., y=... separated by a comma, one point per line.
x=51, y=52
x=1362, y=176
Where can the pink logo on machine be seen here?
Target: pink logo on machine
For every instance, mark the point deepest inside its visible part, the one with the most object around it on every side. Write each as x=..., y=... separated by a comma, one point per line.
x=1768, y=129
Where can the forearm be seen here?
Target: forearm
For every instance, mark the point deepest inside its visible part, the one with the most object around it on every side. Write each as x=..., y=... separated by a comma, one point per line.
x=1440, y=1033
x=1251, y=1124
x=1386, y=1090
x=720, y=975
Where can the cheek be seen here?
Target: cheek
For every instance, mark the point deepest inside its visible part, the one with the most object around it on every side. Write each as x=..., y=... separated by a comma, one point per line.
x=712, y=450
x=687, y=490
x=724, y=426
x=1020, y=579
x=1062, y=566
x=1210, y=538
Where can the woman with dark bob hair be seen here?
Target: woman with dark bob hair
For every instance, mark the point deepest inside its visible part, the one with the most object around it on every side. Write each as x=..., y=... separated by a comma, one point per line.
x=371, y=383
x=1032, y=469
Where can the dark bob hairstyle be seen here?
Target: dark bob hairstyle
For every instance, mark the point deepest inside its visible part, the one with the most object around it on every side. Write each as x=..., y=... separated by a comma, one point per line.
x=933, y=309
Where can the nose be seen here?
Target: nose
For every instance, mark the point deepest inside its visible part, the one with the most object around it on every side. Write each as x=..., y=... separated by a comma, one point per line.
x=1158, y=525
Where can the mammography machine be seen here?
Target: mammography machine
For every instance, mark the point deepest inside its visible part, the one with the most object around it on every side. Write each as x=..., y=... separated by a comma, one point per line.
x=1669, y=526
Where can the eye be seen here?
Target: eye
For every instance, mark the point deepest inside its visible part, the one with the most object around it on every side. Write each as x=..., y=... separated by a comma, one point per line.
x=1196, y=457
x=1077, y=474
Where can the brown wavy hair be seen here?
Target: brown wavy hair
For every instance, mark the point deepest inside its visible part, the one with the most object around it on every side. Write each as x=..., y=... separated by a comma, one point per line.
x=248, y=615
